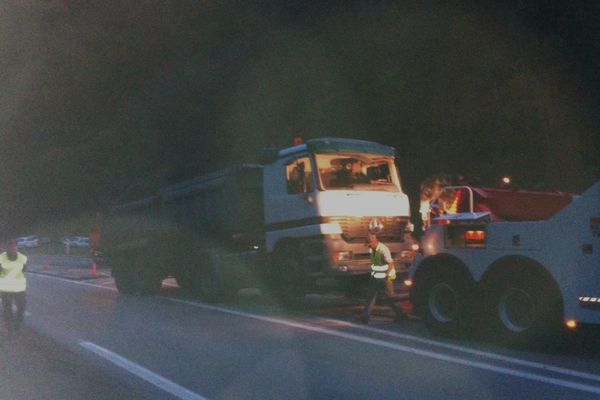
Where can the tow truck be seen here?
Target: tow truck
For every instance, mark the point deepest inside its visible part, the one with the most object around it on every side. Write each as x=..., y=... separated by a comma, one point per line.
x=521, y=265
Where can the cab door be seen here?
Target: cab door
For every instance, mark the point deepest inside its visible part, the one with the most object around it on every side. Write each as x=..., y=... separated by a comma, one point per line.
x=290, y=207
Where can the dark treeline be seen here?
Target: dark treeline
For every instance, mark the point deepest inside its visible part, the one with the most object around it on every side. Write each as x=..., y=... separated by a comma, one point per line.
x=103, y=101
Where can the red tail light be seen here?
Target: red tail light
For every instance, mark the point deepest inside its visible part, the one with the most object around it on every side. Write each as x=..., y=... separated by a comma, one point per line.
x=475, y=237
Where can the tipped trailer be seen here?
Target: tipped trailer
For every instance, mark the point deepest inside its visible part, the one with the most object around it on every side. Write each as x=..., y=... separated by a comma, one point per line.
x=297, y=221
x=521, y=265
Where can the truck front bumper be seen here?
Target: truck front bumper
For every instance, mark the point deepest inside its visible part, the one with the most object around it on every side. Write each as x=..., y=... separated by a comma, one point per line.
x=342, y=259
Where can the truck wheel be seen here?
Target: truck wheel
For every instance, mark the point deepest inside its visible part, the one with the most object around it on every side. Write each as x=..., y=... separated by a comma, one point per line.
x=525, y=311
x=211, y=283
x=289, y=283
x=443, y=303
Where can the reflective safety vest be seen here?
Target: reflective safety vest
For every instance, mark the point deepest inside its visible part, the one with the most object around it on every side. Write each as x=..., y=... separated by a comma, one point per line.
x=379, y=265
x=12, y=278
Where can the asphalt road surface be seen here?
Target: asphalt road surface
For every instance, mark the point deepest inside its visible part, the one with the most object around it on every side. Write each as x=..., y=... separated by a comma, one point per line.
x=82, y=340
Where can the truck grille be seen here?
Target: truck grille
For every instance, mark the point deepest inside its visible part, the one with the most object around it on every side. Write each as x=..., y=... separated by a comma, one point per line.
x=355, y=229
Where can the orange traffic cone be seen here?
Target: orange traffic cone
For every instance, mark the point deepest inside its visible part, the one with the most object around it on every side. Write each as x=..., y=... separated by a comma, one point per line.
x=94, y=271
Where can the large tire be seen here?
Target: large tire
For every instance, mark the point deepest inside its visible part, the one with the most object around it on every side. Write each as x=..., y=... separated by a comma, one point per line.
x=289, y=282
x=525, y=310
x=123, y=280
x=137, y=280
x=212, y=284
x=443, y=302
x=148, y=282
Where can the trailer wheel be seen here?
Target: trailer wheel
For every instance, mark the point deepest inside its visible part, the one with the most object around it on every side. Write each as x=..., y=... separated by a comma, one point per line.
x=525, y=311
x=148, y=282
x=211, y=282
x=124, y=280
x=138, y=281
x=443, y=303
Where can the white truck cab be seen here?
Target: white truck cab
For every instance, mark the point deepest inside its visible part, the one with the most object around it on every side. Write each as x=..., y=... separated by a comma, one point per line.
x=319, y=198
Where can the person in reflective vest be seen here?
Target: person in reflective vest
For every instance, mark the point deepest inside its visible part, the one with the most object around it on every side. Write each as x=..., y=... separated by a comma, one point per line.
x=382, y=278
x=12, y=285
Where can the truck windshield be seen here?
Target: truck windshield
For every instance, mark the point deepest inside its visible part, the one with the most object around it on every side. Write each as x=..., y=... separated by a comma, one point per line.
x=357, y=172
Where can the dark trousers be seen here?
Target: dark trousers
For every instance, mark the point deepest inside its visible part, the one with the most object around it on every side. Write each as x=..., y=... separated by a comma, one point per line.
x=376, y=286
x=11, y=319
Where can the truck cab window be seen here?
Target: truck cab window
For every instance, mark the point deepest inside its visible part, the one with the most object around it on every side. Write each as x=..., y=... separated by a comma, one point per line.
x=299, y=176
x=368, y=172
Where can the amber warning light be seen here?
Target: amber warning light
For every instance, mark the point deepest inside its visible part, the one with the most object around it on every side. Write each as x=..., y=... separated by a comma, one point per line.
x=571, y=324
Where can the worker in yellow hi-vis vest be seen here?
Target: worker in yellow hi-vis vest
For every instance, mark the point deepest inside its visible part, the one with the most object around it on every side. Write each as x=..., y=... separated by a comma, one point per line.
x=383, y=274
x=12, y=285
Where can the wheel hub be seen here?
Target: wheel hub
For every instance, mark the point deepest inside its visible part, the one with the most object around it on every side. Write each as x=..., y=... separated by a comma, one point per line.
x=443, y=302
x=517, y=310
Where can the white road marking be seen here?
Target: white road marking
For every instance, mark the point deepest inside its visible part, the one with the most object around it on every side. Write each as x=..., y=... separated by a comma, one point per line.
x=405, y=349
x=82, y=283
x=397, y=347
x=141, y=372
x=495, y=356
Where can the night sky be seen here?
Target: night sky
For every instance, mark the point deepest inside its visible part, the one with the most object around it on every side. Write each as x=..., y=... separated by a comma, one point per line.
x=105, y=101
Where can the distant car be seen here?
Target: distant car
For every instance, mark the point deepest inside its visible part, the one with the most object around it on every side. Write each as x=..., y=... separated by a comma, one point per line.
x=28, y=241
x=76, y=241
x=71, y=240
x=84, y=242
